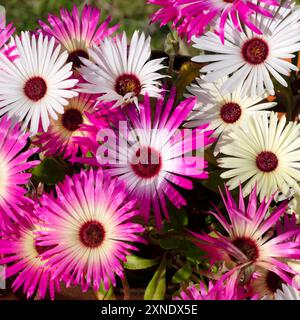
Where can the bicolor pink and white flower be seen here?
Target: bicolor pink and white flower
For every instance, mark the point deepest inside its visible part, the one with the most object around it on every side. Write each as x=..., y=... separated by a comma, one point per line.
x=35, y=86
x=154, y=155
x=60, y=139
x=250, y=240
x=120, y=71
x=13, y=164
x=89, y=226
x=194, y=17
x=22, y=255
x=77, y=32
x=252, y=59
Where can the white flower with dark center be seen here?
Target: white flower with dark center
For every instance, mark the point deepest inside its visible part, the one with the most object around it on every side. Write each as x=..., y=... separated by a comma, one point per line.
x=264, y=152
x=35, y=86
x=222, y=111
x=252, y=59
x=120, y=71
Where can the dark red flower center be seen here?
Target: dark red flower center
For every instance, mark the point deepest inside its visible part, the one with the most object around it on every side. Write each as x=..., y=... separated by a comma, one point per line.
x=255, y=51
x=127, y=83
x=274, y=282
x=248, y=247
x=229, y=1
x=35, y=88
x=92, y=234
x=230, y=112
x=267, y=161
x=75, y=56
x=147, y=163
x=72, y=119
x=41, y=249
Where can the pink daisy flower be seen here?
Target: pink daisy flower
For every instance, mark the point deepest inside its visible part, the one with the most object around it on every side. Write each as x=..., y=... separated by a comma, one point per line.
x=193, y=17
x=155, y=155
x=89, y=225
x=62, y=133
x=13, y=163
x=251, y=241
x=21, y=253
x=226, y=288
x=76, y=32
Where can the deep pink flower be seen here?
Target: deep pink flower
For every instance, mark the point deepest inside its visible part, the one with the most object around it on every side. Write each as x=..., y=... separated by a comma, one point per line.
x=226, y=288
x=154, y=155
x=13, y=163
x=89, y=226
x=193, y=17
x=251, y=241
x=21, y=253
x=76, y=32
x=5, y=33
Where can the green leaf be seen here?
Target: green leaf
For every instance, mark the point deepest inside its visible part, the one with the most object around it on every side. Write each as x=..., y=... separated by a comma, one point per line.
x=49, y=171
x=182, y=274
x=102, y=294
x=137, y=263
x=214, y=181
x=156, y=288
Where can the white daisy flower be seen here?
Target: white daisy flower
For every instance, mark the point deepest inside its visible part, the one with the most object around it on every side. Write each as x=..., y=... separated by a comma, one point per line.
x=251, y=58
x=265, y=152
x=287, y=293
x=120, y=71
x=35, y=86
x=223, y=111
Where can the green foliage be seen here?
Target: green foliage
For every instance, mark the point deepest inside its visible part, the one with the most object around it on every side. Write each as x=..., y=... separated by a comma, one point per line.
x=156, y=288
x=50, y=171
x=137, y=263
x=183, y=274
x=103, y=294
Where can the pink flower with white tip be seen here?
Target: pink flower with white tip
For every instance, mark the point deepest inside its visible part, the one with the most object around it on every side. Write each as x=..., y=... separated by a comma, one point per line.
x=77, y=32
x=250, y=239
x=194, y=17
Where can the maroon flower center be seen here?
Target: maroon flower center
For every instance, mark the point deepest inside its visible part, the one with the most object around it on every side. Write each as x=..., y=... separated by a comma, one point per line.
x=127, y=83
x=230, y=112
x=229, y=1
x=35, y=88
x=255, y=51
x=267, y=161
x=274, y=282
x=92, y=234
x=248, y=247
x=147, y=163
x=75, y=56
x=72, y=119
x=41, y=249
